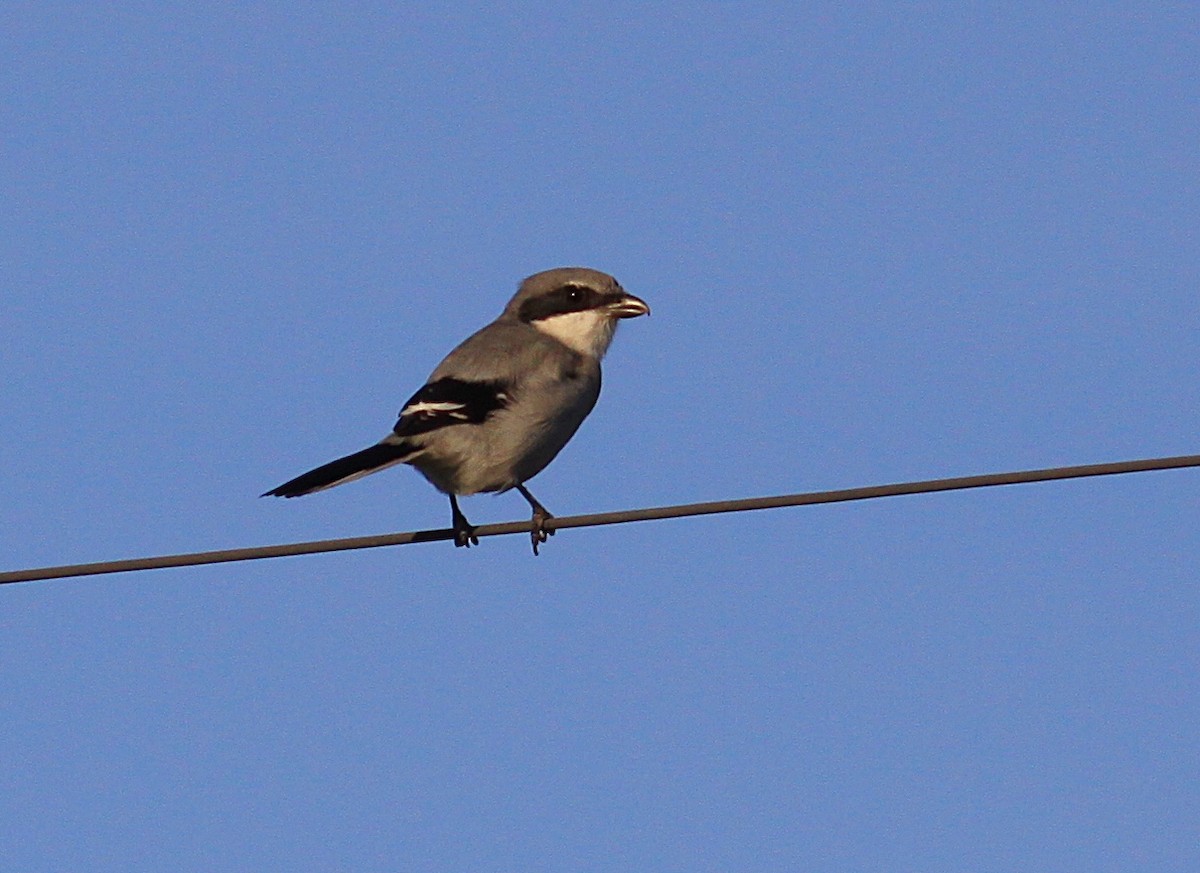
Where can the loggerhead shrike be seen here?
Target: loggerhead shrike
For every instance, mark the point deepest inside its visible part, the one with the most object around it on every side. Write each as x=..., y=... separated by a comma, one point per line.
x=498, y=409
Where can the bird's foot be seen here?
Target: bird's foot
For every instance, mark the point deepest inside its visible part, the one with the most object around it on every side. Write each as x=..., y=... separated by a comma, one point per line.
x=541, y=515
x=538, y=532
x=464, y=531
x=464, y=535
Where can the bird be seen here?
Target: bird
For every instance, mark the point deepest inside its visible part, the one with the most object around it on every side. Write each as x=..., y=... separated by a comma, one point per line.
x=504, y=402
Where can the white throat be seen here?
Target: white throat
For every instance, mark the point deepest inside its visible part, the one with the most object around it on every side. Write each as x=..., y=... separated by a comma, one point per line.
x=588, y=332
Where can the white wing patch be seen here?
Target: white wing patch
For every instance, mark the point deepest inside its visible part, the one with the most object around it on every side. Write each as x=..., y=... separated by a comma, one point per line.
x=450, y=401
x=428, y=406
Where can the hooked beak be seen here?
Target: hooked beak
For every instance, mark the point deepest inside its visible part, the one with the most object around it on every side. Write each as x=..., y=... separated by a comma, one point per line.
x=628, y=306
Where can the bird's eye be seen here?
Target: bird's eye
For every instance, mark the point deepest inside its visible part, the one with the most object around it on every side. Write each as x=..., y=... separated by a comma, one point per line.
x=574, y=292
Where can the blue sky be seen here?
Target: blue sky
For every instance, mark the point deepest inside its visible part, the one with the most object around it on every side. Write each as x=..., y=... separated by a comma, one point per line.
x=882, y=242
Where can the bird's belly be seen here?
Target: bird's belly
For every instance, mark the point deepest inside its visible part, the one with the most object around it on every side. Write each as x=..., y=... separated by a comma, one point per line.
x=470, y=458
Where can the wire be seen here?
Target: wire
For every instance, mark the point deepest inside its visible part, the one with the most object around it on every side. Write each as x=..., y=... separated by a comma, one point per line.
x=928, y=486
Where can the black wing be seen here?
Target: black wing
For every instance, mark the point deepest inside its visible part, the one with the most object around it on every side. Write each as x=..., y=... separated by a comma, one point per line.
x=450, y=401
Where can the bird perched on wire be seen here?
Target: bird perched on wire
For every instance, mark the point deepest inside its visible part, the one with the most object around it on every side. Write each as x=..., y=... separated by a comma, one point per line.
x=500, y=406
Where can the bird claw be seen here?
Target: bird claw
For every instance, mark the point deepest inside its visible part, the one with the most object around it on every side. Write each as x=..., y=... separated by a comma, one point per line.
x=465, y=536
x=464, y=531
x=538, y=532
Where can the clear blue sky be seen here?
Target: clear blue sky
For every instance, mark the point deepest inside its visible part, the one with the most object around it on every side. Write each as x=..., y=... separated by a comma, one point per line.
x=881, y=243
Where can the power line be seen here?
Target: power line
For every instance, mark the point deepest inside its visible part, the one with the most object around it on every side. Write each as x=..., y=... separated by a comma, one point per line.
x=811, y=498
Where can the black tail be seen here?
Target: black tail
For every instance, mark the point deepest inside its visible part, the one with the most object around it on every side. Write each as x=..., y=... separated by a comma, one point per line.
x=344, y=470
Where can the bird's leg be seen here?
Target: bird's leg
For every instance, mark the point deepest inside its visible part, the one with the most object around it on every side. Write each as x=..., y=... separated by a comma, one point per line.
x=538, y=532
x=464, y=531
